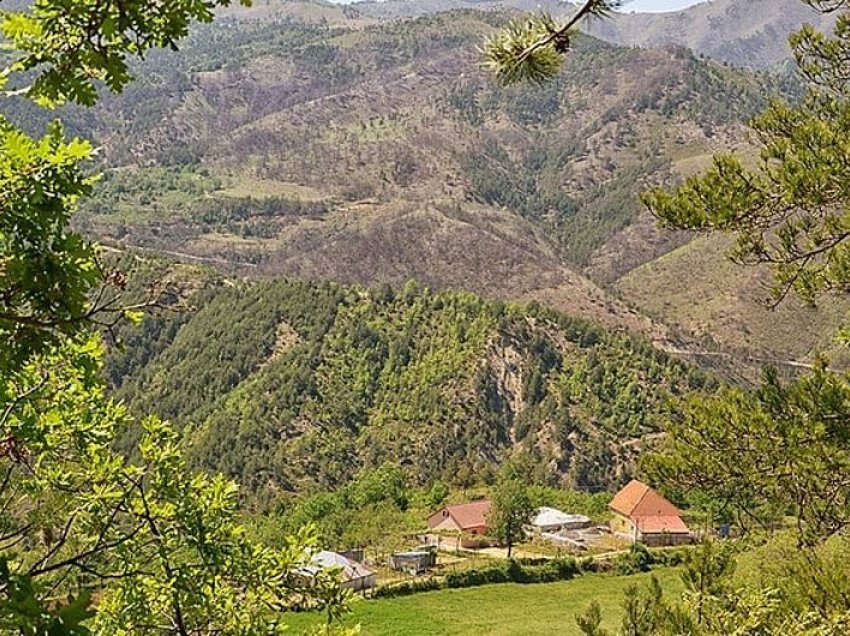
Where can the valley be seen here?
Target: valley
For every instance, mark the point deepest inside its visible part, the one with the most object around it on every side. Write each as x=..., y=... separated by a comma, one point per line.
x=424, y=317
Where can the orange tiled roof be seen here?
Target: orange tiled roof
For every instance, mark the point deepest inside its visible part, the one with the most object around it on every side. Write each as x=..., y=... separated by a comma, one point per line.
x=637, y=499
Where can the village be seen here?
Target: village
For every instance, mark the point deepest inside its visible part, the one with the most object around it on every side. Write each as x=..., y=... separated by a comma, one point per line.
x=458, y=537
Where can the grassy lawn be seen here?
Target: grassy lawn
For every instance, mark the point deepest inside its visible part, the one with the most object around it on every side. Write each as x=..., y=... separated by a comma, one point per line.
x=496, y=610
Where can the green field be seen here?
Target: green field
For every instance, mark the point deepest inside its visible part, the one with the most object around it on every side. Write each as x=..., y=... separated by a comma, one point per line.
x=496, y=610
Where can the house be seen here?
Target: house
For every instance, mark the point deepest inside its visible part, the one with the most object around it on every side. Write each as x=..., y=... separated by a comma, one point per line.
x=641, y=514
x=464, y=525
x=353, y=574
x=553, y=520
x=414, y=561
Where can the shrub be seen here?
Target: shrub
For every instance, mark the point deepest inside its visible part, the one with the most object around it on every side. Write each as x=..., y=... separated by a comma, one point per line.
x=408, y=587
x=514, y=571
x=637, y=559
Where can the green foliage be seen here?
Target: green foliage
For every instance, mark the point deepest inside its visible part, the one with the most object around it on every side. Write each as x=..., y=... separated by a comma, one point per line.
x=590, y=623
x=791, y=210
x=291, y=386
x=512, y=571
x=132, y=532
x=781, y=449
x=71, y=45
x=437, y=495
x=515, y=55
x=637, y=559
x=47, y=271
x=372, y=510
x=530, y=49
x=408, y=587
x=511, y=511
x=712, y=606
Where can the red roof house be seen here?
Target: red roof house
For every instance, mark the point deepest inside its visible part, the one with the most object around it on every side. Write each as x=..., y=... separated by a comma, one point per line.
x=462, y=519
x=641, y=514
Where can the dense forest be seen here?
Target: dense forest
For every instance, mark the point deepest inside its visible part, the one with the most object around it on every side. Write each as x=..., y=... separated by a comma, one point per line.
x=291, y=386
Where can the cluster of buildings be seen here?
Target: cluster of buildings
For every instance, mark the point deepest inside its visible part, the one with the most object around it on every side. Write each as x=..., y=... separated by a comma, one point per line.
x=638, y=514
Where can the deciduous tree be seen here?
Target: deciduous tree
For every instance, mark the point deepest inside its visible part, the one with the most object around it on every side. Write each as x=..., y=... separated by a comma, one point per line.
x=160, y=547
x=511, y=510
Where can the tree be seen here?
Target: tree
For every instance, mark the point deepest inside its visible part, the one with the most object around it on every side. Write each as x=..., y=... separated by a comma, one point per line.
x=782, y=448
x=531, y=48
x=590, y=623
x=511, y=510
x=160, y=547
x=791, y=210
x=712, y=605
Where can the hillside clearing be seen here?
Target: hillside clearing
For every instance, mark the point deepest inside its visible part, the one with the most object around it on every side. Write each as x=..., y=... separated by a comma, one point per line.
x=498, y=610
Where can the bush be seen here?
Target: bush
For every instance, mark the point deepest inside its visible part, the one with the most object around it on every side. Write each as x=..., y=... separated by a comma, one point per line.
x=671, y=558
x=407, y=588
x=637, y=559
x=515, y=572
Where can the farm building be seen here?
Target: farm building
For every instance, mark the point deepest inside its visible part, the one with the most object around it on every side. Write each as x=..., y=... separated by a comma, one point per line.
x=414, y=561
x=641, y=514
x=461, y=525
x=354, y=575
x=553, y=520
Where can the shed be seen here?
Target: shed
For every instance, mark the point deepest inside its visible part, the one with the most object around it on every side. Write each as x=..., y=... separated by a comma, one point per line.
x=413, y=561
x=354, y=575
x=553, y=520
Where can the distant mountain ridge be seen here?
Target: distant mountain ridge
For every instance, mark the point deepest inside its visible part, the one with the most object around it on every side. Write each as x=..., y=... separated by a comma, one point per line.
x=380, y=153
x=748, y=33
x=314, y=141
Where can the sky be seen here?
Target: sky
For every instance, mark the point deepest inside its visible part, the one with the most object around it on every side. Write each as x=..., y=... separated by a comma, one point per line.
x=659, y=5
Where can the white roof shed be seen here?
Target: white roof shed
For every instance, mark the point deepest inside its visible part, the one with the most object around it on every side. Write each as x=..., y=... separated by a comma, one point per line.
x=551, y=518
x=353, y=574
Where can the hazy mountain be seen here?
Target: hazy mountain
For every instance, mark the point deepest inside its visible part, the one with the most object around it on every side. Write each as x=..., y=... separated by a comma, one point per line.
x=371, y=154
x=748, y=33
x=313, y=142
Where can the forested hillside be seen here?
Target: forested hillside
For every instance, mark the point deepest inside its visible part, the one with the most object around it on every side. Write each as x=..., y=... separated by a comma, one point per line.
x=322, y=142
x=290, y=386
x=311, y=142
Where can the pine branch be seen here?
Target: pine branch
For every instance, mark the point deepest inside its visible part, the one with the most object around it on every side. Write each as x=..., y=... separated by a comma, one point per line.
x=531, y=49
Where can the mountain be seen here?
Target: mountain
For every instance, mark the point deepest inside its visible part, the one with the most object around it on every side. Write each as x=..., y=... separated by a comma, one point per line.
x=721, y=303
x=319, y=142
x=747, y=33
x=377, y=153
x=291, y=386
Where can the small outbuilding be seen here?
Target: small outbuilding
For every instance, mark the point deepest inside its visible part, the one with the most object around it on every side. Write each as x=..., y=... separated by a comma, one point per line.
x=553, y=520
x=641, y=514
x=354, y=575
x=414, y=561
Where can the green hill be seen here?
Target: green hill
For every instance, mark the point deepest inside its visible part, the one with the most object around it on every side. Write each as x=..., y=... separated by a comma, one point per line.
x=292, y=386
